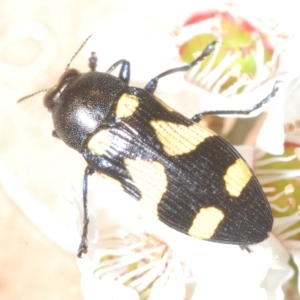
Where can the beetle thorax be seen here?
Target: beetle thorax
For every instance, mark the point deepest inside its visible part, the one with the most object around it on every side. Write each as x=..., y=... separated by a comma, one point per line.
x=81, y=104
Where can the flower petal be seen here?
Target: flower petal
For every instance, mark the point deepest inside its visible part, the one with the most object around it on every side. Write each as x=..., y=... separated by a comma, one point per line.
x=94, y=289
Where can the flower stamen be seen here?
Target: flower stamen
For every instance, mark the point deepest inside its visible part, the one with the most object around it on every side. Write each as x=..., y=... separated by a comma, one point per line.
x=144, y=262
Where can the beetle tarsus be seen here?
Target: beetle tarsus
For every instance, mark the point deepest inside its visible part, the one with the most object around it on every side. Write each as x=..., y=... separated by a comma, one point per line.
x=198, y=117
x=152, y=84
x=83, y=244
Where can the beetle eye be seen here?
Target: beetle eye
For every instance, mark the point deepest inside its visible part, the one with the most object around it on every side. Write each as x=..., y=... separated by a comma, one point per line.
x=51, y=96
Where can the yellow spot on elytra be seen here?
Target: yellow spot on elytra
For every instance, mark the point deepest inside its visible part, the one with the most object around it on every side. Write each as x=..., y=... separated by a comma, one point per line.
x=180, y=139
x=206, y=222
x=100, y=142
x=237, y=177
x=150, y=179
x=126, y=106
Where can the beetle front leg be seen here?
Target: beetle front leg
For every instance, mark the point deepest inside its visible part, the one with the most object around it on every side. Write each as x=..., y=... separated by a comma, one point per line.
x=83, y=244
x=124, y=73
x=198, y=117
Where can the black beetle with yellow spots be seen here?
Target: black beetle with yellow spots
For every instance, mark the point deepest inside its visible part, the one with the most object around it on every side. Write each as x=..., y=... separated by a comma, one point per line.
x=189, y=177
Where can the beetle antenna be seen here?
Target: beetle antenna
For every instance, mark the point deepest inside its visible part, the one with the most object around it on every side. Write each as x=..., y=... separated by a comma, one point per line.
x=68, y=65
x=83, y=44
x=33, y=94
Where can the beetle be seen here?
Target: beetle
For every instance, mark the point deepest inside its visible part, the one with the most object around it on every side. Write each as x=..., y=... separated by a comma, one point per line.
x=189, y=177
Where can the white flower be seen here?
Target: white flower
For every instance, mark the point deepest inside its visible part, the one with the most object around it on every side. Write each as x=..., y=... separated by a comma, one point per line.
x=283, y=118
x=278, y=175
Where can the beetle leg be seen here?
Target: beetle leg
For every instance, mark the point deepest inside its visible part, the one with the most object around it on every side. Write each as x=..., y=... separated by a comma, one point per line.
x=124, y=73
x=152, y=84
x=197, y=117
x=83, y=244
